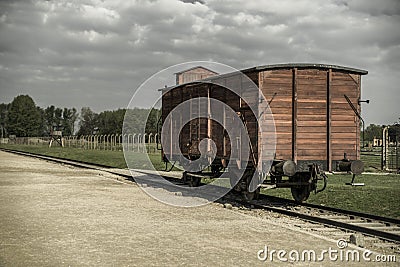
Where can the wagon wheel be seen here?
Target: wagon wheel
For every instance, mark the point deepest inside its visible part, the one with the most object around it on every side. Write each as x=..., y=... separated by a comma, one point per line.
x=216, y=170
x=300, y=193
x=233, y=176
x=251, y=195
x=184, y=177
x=194, y=181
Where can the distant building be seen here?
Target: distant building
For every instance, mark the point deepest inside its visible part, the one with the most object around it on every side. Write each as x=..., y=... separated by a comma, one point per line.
x=377, y=142
x=194, y=74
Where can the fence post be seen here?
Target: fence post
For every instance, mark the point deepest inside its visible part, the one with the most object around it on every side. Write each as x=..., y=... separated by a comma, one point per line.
x=156, y=140
x=149, y=142
x=133, y=142
x=144, y=143
x=112, y=142
x=124, y=141
x=385, y=144
x=138, y=143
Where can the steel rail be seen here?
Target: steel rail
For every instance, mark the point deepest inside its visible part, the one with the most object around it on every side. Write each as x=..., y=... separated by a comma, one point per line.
x=335, y=210
x=346, y=226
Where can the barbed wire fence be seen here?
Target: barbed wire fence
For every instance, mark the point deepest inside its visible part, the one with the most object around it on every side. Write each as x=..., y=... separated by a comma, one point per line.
x=135, y=142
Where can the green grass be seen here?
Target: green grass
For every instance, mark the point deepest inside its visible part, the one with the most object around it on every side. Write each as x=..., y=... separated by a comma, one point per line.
x=372, y=160
x=380, y=195
x=104, y=157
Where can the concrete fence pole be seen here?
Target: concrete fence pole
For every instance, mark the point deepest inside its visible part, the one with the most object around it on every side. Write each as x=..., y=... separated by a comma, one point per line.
x=138, y=142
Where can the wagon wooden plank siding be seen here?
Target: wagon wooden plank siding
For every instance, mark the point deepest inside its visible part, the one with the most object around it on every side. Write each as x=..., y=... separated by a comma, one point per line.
x=276, y=85
x=345, y=132
x=315, y=110
x=313, y=120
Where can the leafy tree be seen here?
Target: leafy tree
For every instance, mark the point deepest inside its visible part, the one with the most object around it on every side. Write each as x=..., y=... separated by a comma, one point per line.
x=109, y=122
x=58, y=118
x=88, y=121
x=49, y=119
x=141, y=120
x=394, y=132
x=70, y=116
x=24, y=118
x=373, y=131
x=3, y=119
x=152, y=120
x=43, y=127
x=135, y=120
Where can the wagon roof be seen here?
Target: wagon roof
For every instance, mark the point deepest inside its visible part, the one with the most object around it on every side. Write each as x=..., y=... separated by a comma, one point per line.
x=306, y=66
x=196, y=67
x=273, y=67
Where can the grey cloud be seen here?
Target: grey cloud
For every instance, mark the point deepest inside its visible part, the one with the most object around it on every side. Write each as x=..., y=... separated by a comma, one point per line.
x=375, y=8
x=96, y=53
x=193, y=1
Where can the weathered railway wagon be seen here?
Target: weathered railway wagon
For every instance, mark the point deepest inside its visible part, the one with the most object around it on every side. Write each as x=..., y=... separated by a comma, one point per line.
x=315, y=108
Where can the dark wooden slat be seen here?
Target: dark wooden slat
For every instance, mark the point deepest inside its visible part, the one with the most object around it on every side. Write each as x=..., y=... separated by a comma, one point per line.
x=329, y=121
x=294, y=115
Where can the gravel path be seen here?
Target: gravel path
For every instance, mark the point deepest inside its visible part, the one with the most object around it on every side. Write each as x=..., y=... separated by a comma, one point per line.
x=54, y=215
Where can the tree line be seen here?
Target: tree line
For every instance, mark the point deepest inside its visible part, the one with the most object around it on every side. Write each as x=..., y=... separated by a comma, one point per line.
x=375, y=131
x=22, y=118
x=138, y=120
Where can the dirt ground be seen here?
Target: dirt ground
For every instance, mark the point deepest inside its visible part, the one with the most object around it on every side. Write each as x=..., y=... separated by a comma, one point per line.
x=54, y=215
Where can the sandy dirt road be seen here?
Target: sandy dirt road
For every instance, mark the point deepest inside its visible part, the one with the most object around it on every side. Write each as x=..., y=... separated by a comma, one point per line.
x=54, y=215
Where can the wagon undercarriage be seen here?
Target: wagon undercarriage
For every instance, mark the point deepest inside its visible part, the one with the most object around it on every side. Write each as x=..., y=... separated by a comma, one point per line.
x=301, y=183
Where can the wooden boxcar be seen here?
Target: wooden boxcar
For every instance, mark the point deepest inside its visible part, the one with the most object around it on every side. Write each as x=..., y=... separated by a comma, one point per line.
x=316, y=112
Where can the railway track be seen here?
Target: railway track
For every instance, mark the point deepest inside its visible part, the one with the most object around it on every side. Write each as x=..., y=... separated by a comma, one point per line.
x=387, y=229
x=371, y=225
x=81, y=164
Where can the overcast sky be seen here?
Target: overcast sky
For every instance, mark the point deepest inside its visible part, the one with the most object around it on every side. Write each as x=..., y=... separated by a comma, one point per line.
x=96, y=53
